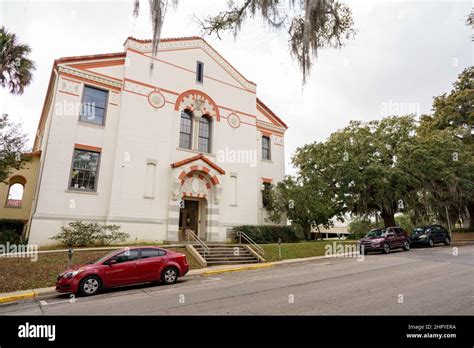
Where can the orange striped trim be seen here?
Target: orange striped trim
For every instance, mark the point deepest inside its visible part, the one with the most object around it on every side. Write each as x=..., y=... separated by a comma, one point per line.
x=270, y=113
x=238, y=112
x=191, y=38
x=150, y=86
x=87, y=148
x=267, y=132
x=189, y=70
x=199, y=157
x=92, y=82
x=101, y=64
x=267, y=180
x=267, y=115
x=64, y=78
x=69, y=93
x=103, y=75
x=90, y=57
x=202, y=94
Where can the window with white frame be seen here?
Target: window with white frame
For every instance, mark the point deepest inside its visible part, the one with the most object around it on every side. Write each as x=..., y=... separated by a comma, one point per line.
x=204, y=144
x=85, y=167
x=186, y=130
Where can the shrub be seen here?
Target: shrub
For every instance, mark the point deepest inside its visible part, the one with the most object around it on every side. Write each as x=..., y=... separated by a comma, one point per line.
x=83, y=234
x=109, y=234
x=265, y=234
x=359, y=227
x=11, y=236
x=12, y=225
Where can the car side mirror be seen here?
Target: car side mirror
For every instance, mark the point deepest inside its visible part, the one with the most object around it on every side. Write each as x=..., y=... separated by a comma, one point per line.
x=111, y=262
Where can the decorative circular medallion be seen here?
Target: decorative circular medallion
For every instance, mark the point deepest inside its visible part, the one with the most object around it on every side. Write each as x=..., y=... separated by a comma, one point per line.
x=234, y=120
x=195, y=185
x=156, y=99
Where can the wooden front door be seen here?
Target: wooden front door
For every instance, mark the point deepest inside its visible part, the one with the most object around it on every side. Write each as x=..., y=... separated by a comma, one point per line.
x=189, y=218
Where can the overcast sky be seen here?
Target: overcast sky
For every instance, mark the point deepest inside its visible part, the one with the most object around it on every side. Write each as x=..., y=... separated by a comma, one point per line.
x=405, y=52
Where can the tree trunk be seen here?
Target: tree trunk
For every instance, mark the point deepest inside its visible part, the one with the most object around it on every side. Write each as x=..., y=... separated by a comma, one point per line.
x=470, y=209
x=307, y=232
x=388, y=218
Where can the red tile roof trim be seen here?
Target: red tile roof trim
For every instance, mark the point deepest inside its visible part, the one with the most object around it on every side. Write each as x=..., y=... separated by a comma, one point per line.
x=198, y=157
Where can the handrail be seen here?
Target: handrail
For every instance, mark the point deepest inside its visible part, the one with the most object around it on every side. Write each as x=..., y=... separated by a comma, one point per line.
x=190, y=233
x=249, y=240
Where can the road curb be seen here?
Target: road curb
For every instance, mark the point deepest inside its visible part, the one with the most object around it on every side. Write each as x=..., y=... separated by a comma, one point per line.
x=27, y=294
x=17, y=296
x=237, y=269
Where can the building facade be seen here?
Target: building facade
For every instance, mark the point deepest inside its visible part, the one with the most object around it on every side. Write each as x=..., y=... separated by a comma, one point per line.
x=156, y=145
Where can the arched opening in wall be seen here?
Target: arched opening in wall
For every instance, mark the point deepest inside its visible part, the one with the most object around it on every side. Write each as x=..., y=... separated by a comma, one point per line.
x=15, y=192
x=205, y=134
x=186, y=129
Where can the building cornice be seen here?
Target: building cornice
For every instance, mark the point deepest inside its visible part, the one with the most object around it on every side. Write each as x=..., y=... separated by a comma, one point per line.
x=145, y=46
x=112, y=83
x=270, y=127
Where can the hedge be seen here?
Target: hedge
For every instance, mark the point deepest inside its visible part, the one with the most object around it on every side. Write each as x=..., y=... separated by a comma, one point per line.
x=11, y=231
x=265, y=234
x=12, y=225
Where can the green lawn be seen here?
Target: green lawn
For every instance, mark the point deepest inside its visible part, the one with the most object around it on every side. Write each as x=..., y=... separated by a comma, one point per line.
x=298, y=250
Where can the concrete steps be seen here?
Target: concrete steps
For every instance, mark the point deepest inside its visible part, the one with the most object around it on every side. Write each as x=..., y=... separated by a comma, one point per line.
x=222, y=254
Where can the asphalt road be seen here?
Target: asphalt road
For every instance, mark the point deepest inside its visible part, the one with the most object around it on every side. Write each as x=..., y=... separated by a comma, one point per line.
x=421, y=281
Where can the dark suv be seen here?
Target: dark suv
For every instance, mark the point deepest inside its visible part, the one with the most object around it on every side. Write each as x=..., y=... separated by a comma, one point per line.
x=384, y=239
x=430, y=235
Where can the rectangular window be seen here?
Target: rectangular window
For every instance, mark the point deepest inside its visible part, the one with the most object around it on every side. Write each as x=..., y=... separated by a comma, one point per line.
x=204, y=144
x=94, y=102
x=266, y=151
x=85, y=165
x=200, y=72
x=185, y=130
x=266, y=194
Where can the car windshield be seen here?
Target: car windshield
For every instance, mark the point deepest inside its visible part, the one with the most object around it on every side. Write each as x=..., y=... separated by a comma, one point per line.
x=376, y=233
x=419, y=230
x=103, y=258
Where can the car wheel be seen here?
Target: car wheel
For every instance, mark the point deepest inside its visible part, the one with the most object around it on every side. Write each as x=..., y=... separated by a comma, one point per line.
x=89, y=286
x=406, y=246
x=169, y=275
x=386, y=248
x=447, y=241
x=431, y=242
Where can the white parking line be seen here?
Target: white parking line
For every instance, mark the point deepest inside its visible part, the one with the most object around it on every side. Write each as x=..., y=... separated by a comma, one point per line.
x=210, y=279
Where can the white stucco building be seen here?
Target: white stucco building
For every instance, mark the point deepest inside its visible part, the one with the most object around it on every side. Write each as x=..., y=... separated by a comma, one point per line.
x=186, y=144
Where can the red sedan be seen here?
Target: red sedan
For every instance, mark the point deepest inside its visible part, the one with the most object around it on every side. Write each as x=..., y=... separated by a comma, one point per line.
x=126, y=266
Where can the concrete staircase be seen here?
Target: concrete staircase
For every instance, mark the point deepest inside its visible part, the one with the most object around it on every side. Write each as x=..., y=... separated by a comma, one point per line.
x=227, y=254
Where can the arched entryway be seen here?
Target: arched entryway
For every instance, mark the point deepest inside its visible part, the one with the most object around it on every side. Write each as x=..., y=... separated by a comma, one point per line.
x=194, y=201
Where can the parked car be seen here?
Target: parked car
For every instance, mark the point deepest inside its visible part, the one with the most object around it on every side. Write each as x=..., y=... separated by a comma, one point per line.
x=430, y=235
x=126, y=266
x=384, y=239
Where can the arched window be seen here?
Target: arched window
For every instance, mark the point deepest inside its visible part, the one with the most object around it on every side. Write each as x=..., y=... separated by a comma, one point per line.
x=205, y=134
x=15, y=192
x=186, y=130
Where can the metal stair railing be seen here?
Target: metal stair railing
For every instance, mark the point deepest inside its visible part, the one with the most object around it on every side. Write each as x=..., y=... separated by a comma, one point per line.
x=191, y=235
x=254, y=246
